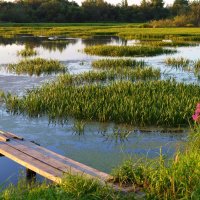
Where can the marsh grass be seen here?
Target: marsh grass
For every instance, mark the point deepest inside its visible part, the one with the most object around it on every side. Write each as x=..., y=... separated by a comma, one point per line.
x=27, y=52
x=197, y=64
x=178, y=62
x=117, y=63
x=159, y=103
x=127, y=51
x=79, y=127
x=137, y=73
x=161, y=178
x=169, y=43
x=37, y=67
x=85, y=30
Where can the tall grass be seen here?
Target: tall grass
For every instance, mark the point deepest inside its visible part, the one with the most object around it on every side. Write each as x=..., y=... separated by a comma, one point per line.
x=127, y=51
x=72, y=187
x=160, y=103
x=172, y=179
x=197, y=64
x=37, y=67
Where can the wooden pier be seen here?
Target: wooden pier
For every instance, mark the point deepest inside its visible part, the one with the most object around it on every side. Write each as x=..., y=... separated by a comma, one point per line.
x=47, y=163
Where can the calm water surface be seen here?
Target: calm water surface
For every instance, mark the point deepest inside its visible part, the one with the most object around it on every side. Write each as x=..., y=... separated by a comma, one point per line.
x=97, y=147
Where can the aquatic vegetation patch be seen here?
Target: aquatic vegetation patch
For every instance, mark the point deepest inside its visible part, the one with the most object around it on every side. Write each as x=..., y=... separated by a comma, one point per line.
x=117, y=63
x=79, y=127
x=137, y=73
x=178, y=62
x=37, y=67
x=27, y=52
x=127, y=51
x=159, y=103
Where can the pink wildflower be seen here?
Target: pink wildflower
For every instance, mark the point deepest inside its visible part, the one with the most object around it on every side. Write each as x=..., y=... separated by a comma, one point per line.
x=196, y=116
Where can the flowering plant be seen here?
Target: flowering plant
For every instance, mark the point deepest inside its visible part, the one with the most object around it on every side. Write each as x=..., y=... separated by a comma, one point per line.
x=196, y=116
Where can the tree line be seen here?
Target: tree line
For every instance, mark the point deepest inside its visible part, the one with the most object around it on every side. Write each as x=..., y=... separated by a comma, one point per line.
x=90, y=11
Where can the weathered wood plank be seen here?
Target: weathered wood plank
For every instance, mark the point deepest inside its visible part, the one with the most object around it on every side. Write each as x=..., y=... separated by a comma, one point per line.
x=49, y=161
x=74, y=166
x=3, y=138
x=31, y=163
x=10, y=135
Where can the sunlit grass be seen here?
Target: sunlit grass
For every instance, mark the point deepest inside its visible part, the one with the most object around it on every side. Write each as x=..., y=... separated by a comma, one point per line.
x=117, y=63
x=27, y=52
x=37, y=67
x=126, y=51
x=178, y=62
x=162, y=178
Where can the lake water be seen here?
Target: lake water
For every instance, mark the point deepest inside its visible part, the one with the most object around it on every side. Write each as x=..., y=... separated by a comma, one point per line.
x=97, y=147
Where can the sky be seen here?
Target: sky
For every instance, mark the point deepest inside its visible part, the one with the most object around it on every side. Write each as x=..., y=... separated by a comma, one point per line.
x=130, y=2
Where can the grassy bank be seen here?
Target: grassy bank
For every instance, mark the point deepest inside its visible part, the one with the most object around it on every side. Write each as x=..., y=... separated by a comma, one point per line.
x=128, y=31
x=72, y=188
x=168, y=179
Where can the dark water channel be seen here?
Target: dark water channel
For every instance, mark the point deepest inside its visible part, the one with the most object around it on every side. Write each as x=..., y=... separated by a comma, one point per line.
x=99, y=146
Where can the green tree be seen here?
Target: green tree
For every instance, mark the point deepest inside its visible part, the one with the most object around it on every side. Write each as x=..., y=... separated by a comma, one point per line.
x=180, y=7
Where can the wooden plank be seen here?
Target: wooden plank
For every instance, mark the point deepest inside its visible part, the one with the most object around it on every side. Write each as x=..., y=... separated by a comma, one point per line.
x=74, y=165
x=31, y=163
x=43, y=158
x=11, y=135
x=3, y=138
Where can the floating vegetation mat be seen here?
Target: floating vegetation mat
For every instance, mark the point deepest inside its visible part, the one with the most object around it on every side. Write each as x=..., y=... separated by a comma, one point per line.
x=158, y=103
x=37, y=67
x=127, y=51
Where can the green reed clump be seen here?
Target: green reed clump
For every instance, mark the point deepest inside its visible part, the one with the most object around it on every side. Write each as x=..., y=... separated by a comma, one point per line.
x=197, y=64
x=127, y=51
x=37, y=67
x=27, y=52
x=79, y=127
x=117, y=63
x=160, y=103
x=111, y=75
x=176, y=178
x=178, y=62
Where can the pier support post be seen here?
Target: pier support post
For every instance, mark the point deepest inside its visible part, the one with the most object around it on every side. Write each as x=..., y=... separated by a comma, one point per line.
x=30, y=175
x=1, y=155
